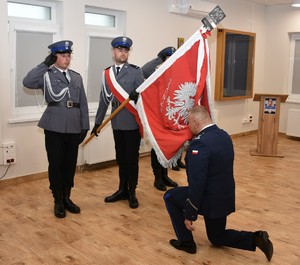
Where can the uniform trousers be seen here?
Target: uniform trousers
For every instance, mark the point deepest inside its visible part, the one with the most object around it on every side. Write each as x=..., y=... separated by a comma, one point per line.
x=62, y=151
x=127, y=146
x=218, y=235
x=157, y=168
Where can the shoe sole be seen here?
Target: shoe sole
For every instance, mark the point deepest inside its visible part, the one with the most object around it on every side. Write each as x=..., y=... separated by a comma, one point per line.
x=160, y=188
x=186, y=249
x=115, y=200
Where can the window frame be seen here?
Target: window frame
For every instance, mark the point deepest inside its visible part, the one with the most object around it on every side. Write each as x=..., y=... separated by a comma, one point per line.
x=35, y=3
x=292, y=98
x=20, y=24
x=221, y=65
x=101, y=32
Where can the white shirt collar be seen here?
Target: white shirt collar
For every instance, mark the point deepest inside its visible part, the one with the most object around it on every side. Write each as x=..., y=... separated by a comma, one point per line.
x=120, y=65
x=209, y=125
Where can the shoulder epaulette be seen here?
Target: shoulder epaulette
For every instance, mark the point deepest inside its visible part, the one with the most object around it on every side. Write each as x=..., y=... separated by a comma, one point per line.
x=74, y=71
x=134, y=66
x=199, y=136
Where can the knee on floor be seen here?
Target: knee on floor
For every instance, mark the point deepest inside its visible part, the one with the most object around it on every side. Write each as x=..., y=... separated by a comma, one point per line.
x=215, y=240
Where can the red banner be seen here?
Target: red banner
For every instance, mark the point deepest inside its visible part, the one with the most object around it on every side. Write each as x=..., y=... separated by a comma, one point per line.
x=170, y=92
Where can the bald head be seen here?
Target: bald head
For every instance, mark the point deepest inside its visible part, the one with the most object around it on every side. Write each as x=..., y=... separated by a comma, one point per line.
x=198, y=118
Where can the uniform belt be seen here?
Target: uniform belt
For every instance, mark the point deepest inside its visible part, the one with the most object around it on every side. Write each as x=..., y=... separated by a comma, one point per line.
x=116, y=103
x=68, y=104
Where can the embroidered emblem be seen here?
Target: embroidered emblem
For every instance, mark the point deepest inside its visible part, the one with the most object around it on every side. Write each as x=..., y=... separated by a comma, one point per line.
x=177, y=108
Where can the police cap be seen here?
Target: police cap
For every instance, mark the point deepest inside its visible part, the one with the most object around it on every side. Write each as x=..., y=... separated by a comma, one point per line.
x=64, y=46
x=168, y=51
x=121, y=42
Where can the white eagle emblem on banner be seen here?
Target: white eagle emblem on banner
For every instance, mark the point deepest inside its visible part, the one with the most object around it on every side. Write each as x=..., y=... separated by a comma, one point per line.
x=177, y=108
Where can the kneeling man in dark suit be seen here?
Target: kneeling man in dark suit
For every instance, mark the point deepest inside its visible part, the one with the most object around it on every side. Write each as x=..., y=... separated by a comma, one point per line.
x=210, y=191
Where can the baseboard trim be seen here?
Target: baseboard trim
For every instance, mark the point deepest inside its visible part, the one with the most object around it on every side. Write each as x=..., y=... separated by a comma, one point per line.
x=22, y=179
x=243, y=134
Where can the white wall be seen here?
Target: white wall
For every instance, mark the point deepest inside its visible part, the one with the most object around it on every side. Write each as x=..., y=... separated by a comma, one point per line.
x=281, y=20
x=152, y=27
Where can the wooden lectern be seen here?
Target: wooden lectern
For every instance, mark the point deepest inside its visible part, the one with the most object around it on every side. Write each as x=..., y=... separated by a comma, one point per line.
x=268, y=125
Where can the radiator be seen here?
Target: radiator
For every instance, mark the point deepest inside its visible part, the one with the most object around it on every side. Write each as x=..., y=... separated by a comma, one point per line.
x=101, y=148
x=293, y=123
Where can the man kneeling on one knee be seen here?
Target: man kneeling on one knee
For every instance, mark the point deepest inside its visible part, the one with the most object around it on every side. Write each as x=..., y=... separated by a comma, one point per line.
x=210, y=191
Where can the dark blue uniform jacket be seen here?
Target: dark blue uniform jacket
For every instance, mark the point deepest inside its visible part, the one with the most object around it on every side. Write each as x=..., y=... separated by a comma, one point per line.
x=211, y=189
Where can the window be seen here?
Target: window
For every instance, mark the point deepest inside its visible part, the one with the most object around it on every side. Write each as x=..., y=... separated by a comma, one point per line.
x=26, y=59
x=235, y=65
x=99, y=20
x=294, y=77
x=99, y=59
x=29, y=11
x=35, y=24
x=102, y=25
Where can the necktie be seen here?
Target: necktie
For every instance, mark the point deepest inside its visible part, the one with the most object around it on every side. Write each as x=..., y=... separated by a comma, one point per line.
x=65, y=74
x=118, y=69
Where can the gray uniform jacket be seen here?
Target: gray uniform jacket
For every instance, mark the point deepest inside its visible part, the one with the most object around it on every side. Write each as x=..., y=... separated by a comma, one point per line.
x=130, y=78
x=60, y=118
x=150, y=67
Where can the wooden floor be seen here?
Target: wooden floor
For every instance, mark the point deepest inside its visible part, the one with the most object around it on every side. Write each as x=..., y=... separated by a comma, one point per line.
x=267, y=197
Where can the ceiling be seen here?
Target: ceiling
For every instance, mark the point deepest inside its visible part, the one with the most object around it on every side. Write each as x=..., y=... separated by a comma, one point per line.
x=272, y=2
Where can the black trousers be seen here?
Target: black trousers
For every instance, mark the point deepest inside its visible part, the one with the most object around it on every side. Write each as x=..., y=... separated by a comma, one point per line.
x=158, y=169
x=218, y=235
x=62, y=152
x=127, y=146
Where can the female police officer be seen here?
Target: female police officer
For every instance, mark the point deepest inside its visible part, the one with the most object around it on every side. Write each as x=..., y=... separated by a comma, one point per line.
x=65, y=120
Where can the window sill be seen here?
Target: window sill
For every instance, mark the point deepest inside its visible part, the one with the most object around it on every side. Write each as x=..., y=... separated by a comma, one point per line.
x=293, y=99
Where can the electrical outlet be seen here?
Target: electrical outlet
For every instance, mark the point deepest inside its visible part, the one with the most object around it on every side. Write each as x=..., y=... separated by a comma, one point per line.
x=250, y=117
x=9, y=153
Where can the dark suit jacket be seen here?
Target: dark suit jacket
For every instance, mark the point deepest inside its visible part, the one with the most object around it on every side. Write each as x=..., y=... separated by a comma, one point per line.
x=211, y=186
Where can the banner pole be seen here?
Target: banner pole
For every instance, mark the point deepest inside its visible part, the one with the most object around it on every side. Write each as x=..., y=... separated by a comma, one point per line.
x=106, y=121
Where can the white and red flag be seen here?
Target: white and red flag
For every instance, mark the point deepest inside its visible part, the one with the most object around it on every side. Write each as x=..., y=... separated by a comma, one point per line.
x=170, y=92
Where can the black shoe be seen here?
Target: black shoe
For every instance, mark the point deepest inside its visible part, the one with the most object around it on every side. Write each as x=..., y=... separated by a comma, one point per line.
x=59, y=210
x=159, y=184
x=169, y=182
x=70, y=206
x=264, y=244
x=187, y=246
x=133, y=201
x=181, y=164
x=175, y=168
x=118, y=195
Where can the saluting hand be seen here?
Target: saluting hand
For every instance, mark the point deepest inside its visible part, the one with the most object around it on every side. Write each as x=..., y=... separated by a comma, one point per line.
x=50, y=59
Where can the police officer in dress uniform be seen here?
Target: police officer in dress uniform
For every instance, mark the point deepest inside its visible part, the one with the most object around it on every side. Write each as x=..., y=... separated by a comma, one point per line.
x=160, y=173
x=65, y=120
x=210, y=191
x=125, y=128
